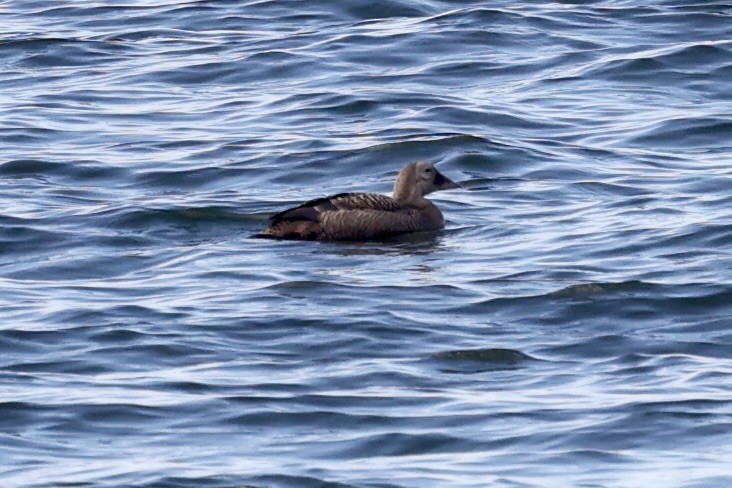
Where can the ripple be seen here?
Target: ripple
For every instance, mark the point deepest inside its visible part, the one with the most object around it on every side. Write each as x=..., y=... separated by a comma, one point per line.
x=78, y=170
x=481, y=360
x=686, y=132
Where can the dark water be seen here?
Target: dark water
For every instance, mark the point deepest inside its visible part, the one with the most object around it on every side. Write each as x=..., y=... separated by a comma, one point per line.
x=572, y=326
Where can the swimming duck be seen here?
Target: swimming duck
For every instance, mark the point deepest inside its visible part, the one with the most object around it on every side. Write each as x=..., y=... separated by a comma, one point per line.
x=363, y=216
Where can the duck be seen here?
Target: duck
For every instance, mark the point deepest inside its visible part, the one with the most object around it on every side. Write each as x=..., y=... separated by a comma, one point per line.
x=367, y=216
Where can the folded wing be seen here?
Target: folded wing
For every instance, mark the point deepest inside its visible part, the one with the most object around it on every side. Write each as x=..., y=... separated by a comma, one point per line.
x=314, y=209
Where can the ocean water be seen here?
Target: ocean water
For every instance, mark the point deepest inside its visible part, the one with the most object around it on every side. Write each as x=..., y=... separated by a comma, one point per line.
x=571, y=326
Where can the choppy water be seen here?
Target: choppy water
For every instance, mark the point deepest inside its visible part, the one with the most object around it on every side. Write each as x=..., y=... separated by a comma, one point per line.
x=572, y=326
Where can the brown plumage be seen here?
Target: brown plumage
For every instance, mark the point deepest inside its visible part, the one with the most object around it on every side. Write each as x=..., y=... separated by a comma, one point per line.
x=363, y=216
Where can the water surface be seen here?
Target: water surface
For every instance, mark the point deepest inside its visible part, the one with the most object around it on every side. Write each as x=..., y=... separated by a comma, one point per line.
x=572, y=325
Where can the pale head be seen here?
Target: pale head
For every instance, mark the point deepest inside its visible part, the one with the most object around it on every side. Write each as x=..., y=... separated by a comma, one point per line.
x=418, y=179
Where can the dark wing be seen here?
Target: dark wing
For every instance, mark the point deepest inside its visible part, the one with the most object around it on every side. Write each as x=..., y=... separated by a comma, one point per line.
x=342, y=201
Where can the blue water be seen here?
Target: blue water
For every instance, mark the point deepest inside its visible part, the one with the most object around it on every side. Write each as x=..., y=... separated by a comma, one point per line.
x=572, y=325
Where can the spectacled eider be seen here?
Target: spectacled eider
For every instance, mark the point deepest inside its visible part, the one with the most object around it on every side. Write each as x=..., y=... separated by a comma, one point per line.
x=363, y=216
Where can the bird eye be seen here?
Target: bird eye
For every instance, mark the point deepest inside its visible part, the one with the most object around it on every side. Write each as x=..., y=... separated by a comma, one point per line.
x=428, y=170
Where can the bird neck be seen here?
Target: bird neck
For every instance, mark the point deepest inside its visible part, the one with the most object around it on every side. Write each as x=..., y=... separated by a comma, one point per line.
x=411, y=198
